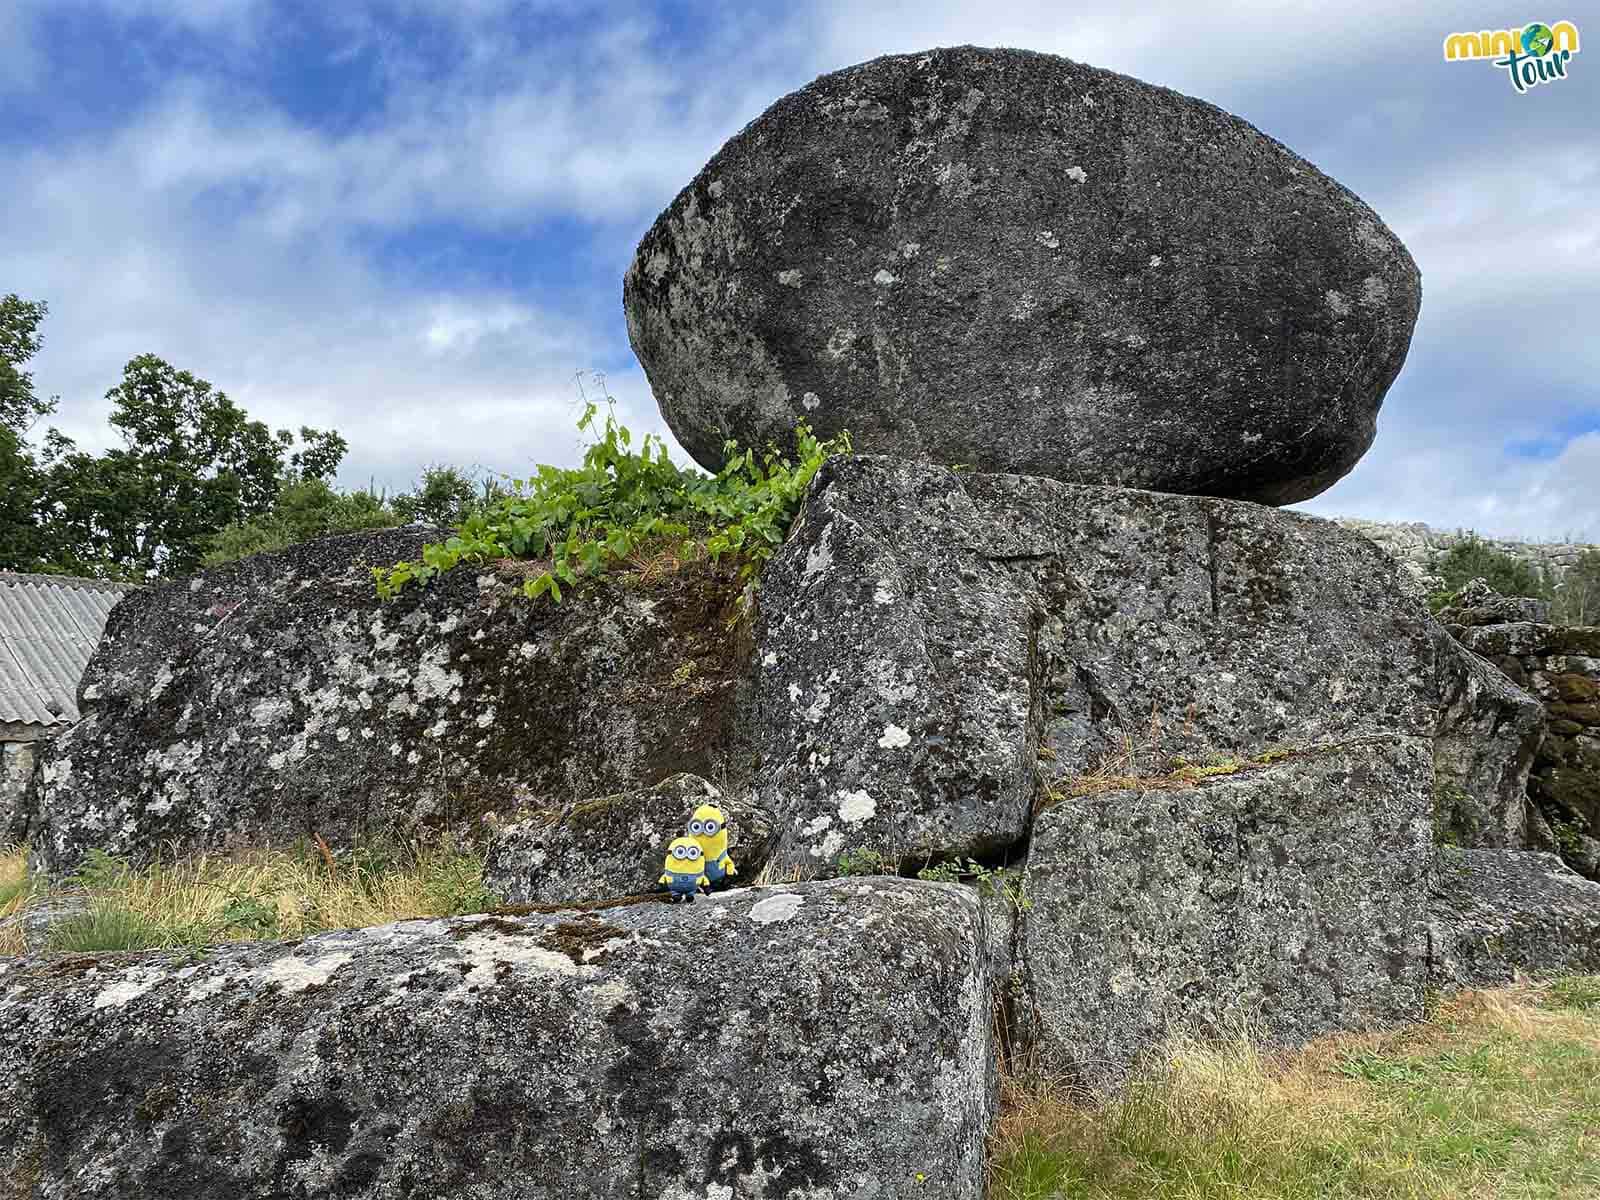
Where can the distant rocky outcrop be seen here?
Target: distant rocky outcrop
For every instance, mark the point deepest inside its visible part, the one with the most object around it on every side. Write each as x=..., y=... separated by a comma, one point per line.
x=1417, y=546
x=828, y=1039
x=1025, y=264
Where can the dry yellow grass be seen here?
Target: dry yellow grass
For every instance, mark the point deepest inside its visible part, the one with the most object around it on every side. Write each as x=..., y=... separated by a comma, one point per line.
x=213, y=898
x=1496, y=1095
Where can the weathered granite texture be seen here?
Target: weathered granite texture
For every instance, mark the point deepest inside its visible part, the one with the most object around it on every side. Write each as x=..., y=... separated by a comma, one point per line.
x=1023, y=263
x=1489, y=731
x=1499, y=912
x=828, y=1040
x=278, y=696
x=1286, y=899
x=614, y=845
x=934, y=643
x=893, y=697
x=16, y=767
x=1560, y=664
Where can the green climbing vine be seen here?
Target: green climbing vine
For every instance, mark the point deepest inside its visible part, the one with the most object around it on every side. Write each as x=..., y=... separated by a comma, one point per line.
x=625, y=502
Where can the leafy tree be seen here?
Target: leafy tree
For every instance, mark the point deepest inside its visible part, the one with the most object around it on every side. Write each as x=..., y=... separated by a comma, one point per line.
x=21, y=483
x=444, y=497
x=1472, y=558
x=20, y=341
x=304, y=509
x=192, y=463
x=1578, y=597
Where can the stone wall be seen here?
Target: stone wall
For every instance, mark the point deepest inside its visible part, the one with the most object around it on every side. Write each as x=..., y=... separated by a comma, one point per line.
x=1415, y=546
x=1561, y=665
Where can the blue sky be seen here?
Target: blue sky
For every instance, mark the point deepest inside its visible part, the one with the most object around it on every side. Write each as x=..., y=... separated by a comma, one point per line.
x=409, y=219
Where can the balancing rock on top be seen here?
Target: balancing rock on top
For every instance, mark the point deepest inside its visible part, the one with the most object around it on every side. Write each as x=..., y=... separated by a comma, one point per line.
x=1024, y=264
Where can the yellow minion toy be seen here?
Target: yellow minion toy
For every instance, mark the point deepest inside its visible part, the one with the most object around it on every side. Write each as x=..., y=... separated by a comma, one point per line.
x=709, y=830
x=684, y=872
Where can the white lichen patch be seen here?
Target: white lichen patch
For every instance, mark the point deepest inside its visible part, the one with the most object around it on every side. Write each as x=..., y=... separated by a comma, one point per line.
x=840, y=342
x=271, y=711
x=909, y=250
x=811, y=401
x=1077, y=175
x=790, y=278
x=776, y=908
x=885, y=278
x=894, y=738
x=1337, y=303
x=295, y=973
x=1048, y=239
x=769, y=659
x=856, y=807
x=816, y=825
x=1374, y=292
x=882, y=595
x=130, y=987
x=820, y=557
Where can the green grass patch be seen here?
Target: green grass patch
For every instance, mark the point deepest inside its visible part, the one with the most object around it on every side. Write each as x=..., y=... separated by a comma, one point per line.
x=1498, y=1095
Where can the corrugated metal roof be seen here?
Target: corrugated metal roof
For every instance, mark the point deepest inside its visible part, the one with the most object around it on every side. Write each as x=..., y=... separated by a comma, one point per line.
x=49, y=626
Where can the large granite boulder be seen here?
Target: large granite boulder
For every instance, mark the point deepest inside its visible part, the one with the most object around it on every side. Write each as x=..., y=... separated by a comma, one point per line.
x=1025, y=264
x=830, y=1039
x=614, y=845
x=938, y=648
x=278, y=697
x=1498, y=913
x=1284, y=899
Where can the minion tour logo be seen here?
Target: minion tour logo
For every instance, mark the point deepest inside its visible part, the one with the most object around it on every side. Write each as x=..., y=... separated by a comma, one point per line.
x=1535, y=54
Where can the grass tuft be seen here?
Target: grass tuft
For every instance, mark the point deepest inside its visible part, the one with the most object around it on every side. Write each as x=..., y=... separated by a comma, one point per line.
x=212, y=898
x=1498, y=1094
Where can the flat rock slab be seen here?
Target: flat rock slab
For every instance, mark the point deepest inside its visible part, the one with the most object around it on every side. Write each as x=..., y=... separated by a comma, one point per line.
x=615, y=845
x=1284, y=900
x=829, y=1040
x=1500, y=912
x=277, y=697
x=1025, y=264
x=938, y=648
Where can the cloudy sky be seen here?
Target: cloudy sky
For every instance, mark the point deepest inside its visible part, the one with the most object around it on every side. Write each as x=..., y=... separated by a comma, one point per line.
x=409, y=219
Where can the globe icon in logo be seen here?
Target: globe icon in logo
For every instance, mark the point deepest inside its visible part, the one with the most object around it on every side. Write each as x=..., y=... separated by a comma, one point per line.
x=1537, y=40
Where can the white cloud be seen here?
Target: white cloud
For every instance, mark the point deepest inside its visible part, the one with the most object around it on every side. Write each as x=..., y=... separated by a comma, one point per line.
x=233, y=238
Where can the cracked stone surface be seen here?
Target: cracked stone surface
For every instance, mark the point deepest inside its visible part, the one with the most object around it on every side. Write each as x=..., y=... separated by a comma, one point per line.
x=938, y=647
x=825, y=1040
x=1285, y=900
x=1489, y=732
x=1025, y=264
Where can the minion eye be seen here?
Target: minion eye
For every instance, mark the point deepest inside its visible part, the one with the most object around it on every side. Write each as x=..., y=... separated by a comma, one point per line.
x=692, y=851
x=696, y=827
x=679, y=852
x=711, y=828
